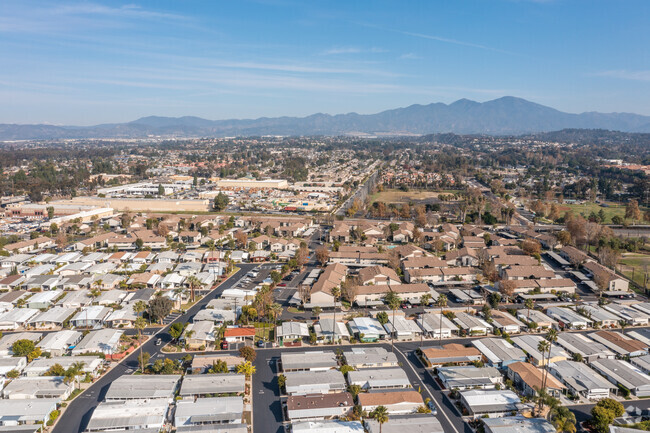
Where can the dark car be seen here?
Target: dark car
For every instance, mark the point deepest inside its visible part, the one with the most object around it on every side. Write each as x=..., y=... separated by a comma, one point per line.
x=261, y=343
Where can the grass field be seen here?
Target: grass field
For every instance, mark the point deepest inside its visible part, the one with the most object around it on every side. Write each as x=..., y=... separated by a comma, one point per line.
x=633, y=266
x=587, y=208
x=399, y=196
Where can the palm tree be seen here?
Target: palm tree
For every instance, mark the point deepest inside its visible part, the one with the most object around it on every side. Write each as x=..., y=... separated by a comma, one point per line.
x=380, y=414
x=247, y=369
x=140, y=324
x=543, y=346
x=336, y=292
x=393, y=302
x=193, y=283
x=139, y=308
x=623, y=324
x=551, y=337
x=275, y=309
x=442, y=303
x=529, y=305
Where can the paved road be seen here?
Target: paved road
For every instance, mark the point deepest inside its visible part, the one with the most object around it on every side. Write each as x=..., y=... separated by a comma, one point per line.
x=79, y=411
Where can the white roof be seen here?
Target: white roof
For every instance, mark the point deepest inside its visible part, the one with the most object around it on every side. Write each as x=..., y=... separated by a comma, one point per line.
x=330, y=426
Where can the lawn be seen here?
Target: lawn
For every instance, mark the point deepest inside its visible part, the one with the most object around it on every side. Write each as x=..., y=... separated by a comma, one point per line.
x=587, y=208
x=399, y=196
x=634, y=266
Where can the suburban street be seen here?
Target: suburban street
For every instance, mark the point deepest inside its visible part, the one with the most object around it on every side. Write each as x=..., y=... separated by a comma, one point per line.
x=78, y=411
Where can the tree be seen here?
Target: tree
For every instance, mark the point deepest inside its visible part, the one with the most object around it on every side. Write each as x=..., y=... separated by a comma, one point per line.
x=276, y=277
x=144, y=360
x=393, y=301
x=355, y=390
x=241, y=239
x=55, y=370
x=601, y=419
x=507, y=288
x=322, y=255
x=13, y=374
x=487, y=312
x=612, y=405
x=22, y=348
x=531, y=247
x=380, y=414
x=139, y=307
x=564, y=237
x=219, y=366
x=275, y=309
x=529, y=304
x=221, y=202
x=139, y=243
x=159, y=308
x=542, y=347
x=317, y=310
x=176, y=330
x=336, y=294
x=140, y=324
x=246, y=368
x=632, y=210
x=563, y=420
x=382, y=317
x=302, y=255
x=248, y=353
x=442, y=303
x=493, y=299
x=194, y=284
x=50, y=212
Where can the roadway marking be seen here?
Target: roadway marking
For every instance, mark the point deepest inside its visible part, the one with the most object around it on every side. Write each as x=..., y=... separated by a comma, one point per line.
x=441, y=411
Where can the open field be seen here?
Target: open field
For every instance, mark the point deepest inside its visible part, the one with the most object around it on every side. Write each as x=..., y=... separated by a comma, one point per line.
x=399, y=196
x=586, y=209
x=634, y=266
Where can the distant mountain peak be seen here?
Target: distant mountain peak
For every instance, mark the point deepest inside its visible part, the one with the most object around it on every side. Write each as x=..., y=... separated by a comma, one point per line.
x=502, y=116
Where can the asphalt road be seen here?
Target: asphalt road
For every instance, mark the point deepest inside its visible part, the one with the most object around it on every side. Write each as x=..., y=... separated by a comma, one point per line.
x=79, y=411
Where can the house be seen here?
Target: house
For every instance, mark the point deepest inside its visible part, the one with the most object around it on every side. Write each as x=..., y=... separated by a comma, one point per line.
x=77, y=298
x=506, y=322
x=39, y=366
x=574, y=255
x=436, y=325
x=579, y=344
x=314, y=382
x=624, y=374
x=396, y=402
x=612, y=281
x=493, y=403
x=106, y=341
x=519, y=424
x=530, y=379
x=567, y=318
x=7, y=341
x=8, y=364
x=369, y=357
x=426, y=275
x=199, y=334
x=366, y=329
x=581, y=380
x=401, y=328
x=143, y=387
x=321, y=292
x=211, y=385
x=292, y=331
x=412, y=293
x=38, y=387
x=452, y=353
x=620, y=343
x=42, y=300
x=319, y=406
x=90, y=317
x=529, y=344
x=526, y=273
x=308, y=361
x=421, y=262
x=124, y=317
x=379, y=378
x=128, y=415
x=16, y=318
x=469, y=377
x=327, y=426
x=378, y=275
x=26, y=412
x=535, y=316
x=632, y=316
x=499, y=352
x=233, y=334
x=325, y=331
x=52, y=318
x=471, y=324
x=462, y=257
x=365, y=296
x=413, y=423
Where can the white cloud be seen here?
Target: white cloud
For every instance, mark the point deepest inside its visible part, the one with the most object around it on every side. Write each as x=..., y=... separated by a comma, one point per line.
x=624, y=74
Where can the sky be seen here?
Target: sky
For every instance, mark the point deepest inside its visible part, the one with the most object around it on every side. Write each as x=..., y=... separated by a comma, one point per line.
x=92, y=62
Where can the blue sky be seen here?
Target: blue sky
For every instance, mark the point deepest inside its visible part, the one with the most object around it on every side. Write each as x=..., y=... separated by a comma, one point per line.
x=95, y=62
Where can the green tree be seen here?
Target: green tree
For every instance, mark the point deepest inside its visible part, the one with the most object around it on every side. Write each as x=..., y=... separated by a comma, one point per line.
x=317, y=311
x=55, y=370
x=159, y=307
x=194, y=283
x=161, y=189
x=382, y=317
x=612, y=405
x=22, y=348
x=442, y=303
x=144, y=360
x=221, y=202
x=276, y=277
x=13, y=374
x=50, y=212
x=380, y=414
x=601, y=419
x=393, y=301
x=219, y=366
x=176, y=330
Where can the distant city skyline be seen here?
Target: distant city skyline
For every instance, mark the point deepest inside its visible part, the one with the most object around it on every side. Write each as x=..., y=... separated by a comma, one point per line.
x=86, y=63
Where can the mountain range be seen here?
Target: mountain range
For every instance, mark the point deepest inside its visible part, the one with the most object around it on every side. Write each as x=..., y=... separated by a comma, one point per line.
x=504, y=116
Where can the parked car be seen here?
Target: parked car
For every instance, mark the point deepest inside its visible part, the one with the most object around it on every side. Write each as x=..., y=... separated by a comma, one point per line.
x=432, y=408
x=224, y=345
x=261, y=343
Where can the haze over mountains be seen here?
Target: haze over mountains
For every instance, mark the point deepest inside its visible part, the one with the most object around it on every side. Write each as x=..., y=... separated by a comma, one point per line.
x=503, y=116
